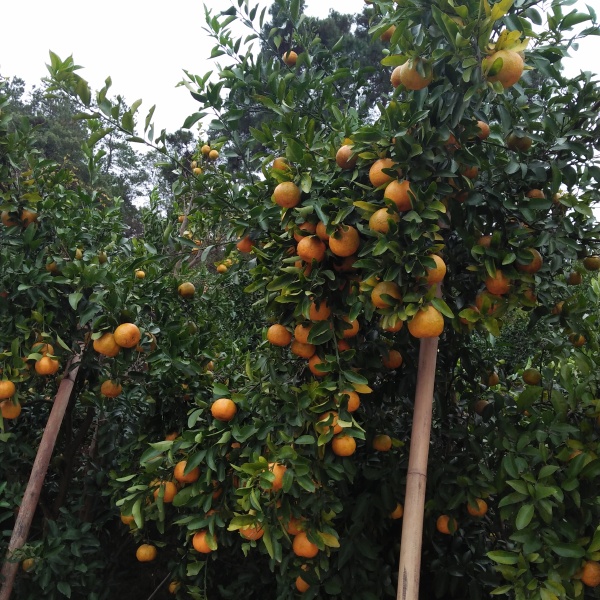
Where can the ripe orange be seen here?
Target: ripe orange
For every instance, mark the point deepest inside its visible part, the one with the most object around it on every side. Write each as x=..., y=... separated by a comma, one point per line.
x=294, y=526
x=278, y=335
x=393, y=360
x=170, y=490
x=393, y=328
x=353, y=330
x=484, y=130
x=321, y=232
x=279, y=471
x=511, y=68
x=343, y=445
x=436, y=274
x=302, y=546
x=397, y=512
x=320, y=313
x=306, y=228
x=492, y=379
x=180, y=475
x=213, y=155
x=532, y=376
x=146, y=553
x=408, y=75
x=344, y=158
x=245, y=245
x=399, y=193
x=222, y=268
x=28, y=217
x=592, y=263
x=311, y=248
x=281, y=164
x=186, y=290
x=106, y=345
x=382, y=442
x=7, y=389
x=345, y=241
x=376, y=175
x=380, y=220
x=289, y=58
x=301, y=333
x=139, y=274
x=535, y=265
x=46, y=366
x=385, y=288
x=127, y=335
x=446, y=524
x=223, y=409
x=353, y=400
x=574, y=278
x=110, y=388
x=28, y=564
x=205, y=150
x=9, y=409
x=127, y=519
x=485, y=241
x=479, y=510
x=479, y=406
x=301, y=585
x=302, y=350
x=314, y=362
x=287, y=194
x=252, y=532
x=522, y=144
x=200, y=543
x=535, y=193
x=327, y=421
x=9, y=219
x=386, y=36
x=343, y=345
x=174, y=587
x=590, y=575
x=427, y=323
x=498, y=284
x=486, y=298
x=577, y=340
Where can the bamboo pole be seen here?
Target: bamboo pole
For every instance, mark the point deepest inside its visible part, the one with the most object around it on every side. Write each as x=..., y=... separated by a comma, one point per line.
x=416, y=480
x=36, y=479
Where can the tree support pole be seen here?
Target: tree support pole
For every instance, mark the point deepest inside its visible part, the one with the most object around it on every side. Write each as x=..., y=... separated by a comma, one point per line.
x=36, y=479
x=416, y=480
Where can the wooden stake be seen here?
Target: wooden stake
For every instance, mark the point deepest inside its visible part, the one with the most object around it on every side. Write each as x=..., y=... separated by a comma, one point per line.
x=416, y=480
x=36, y=479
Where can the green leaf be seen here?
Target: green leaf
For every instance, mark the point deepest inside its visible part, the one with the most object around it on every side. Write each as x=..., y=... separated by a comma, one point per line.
x=503, y=557
x=442, y=307
x=74, y=299
x=524, y=516
x=64, y=588
x=568, y=550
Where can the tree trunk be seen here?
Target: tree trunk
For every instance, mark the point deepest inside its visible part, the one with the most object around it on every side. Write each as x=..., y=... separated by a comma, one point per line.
x=36, y=479
x=414, y=503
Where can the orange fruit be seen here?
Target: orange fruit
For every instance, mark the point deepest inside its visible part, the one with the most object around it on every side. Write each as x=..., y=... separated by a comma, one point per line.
x=397, y=512
x=511, y=68
x=313, y=364
x=577, y=340
x=281, y=164
x=343, y=445
x=205, y=150
x=279, y=471
x=345, y=241
x=380, y=220
x=127, y=519
x=27, y=217
x=278, y=335
x=327, y=421
x=28, y=564
x=46, y=366
x=302, y=546
x=393, y=360
x=127, y=335
x=9, y=219
x=498, y=284
x=287, y=194
x=376, y=175
x=252, y=532
x=223, y=409
x=470, y=172
x=590, y=575
x=186, y=290
x=170, y=491
x=106, y=345
x=493, y=300
x=343, y=345
x=385, y=288
x=311, y=248
x=399, y=193
x=139, y=274
x=146, y=553
x=43, y=349
x=301, y=333
x=320, y=313
x=213, y=155
x=522, y=144
x=479, y=406
x=222, y=268
x=535, y=265
x=592, y=263
x=353, y=330
x=353, y=400
x=304, y=229
x=302, y=350
x=485, y=241
x=535, y=193
x=245, y=245
x=437, y=273
x=9, y=409
x=532, y=376
x=110, y=388
x=386, y=36
x=427, y=323
x=289, y=58
x=200, y=543
x=174, y=587
x=294, y=526
x=344, y=157
x=301, y=585
x=382, y=442
x=479, y=510
x=180, y=475
x=321, y=232
x=409, y=76
x=446, y=524
x=397, y=326
x=484, y=130
x=574, y=278
x=7, y=389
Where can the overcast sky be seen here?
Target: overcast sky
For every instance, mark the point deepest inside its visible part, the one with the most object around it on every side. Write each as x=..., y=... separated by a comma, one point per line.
x=143, y=46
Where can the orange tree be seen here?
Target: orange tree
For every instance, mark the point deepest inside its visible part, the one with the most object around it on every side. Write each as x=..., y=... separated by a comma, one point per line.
x=477, y=173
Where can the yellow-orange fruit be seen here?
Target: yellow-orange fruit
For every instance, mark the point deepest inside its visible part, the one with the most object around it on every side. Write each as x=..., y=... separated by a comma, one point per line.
x=376, y=175
x=287, y=194
x=278, y=335
x=127, y=335
x=344, y=157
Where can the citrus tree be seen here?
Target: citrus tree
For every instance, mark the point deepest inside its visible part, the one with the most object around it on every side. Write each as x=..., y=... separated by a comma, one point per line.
x=459, y=208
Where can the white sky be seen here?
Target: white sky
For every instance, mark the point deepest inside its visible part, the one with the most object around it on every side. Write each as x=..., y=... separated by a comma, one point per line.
x=143, y=46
